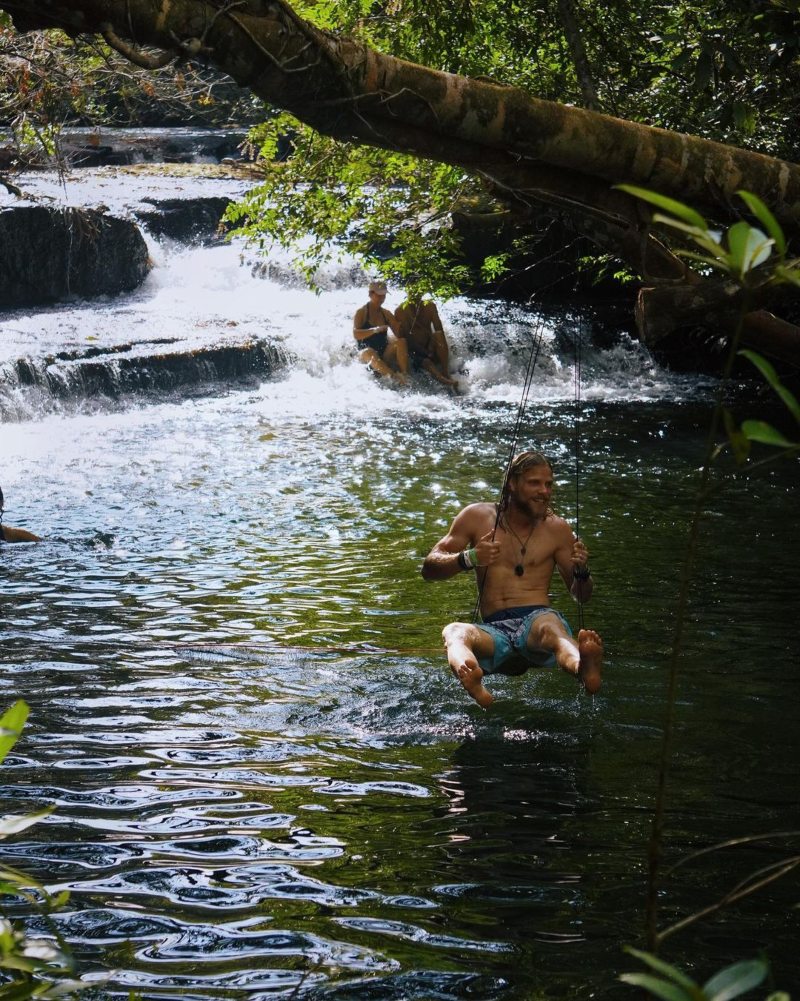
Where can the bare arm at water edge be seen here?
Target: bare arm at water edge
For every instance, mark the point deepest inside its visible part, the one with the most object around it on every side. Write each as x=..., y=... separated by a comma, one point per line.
x=391, y=321
x=403, y=316
x=18, y=535
x=472, y=528
x=436, y=322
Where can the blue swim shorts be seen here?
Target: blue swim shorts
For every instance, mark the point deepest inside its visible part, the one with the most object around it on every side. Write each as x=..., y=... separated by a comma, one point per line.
x=509, y=629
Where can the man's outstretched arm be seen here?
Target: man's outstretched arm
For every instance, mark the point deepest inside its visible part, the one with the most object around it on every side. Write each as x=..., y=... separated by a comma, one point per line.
x=572, y=560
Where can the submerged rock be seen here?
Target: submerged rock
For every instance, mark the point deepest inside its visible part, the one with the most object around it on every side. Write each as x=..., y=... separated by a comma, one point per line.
x=51, y=254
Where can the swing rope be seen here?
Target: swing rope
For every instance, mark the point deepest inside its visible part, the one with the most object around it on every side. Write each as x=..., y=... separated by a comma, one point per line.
x=533, y=357
x=577, y=394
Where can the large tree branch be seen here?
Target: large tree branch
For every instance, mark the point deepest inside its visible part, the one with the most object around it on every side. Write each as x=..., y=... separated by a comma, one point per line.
x=713, y=306
x=348, y=91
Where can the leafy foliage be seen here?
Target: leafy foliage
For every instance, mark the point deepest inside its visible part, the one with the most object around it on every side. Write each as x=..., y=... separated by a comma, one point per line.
x=761, y=431
x=48, y=80
x=332, y=199
x=37, y=967
x=724, y=70
x=727, y=70
x=668, y=983
x=721, y=70
x=753, y=258
x=744, y=252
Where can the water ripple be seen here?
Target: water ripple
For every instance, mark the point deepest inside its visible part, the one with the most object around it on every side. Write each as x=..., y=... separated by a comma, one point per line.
x=412, y=933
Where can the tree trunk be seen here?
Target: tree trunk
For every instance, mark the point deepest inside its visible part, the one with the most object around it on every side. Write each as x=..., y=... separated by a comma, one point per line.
x=350, y=92
x=572, y=33
x=660, y=312
x=534, y=152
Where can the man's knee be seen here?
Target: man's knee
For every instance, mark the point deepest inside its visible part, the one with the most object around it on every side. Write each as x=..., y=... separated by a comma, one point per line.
x=456, y=632
x=546, y=631
x=466, y=633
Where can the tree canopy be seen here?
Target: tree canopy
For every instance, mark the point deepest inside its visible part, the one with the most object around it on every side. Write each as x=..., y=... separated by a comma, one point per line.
x=413, y=110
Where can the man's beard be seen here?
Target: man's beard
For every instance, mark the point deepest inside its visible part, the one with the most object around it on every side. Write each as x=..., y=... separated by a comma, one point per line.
x=533, y=509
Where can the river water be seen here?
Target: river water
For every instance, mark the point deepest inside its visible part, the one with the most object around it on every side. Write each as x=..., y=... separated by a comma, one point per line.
x=266, y=783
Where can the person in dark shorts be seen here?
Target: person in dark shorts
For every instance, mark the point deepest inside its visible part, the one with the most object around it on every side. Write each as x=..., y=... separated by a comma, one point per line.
x=515, y=549
x=427, y=345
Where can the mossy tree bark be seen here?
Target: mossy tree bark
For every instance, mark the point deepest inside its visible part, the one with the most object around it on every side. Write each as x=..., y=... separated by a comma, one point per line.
x=536, y=154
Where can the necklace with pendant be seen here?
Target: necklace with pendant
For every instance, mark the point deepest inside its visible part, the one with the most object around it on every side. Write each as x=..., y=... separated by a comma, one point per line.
x=519, y=569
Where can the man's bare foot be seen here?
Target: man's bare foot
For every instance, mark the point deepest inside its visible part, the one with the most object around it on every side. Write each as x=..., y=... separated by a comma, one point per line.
x=470, y=675
x=591, y=650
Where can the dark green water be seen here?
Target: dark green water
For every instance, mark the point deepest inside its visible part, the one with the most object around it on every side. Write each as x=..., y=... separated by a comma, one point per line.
x=248, y=808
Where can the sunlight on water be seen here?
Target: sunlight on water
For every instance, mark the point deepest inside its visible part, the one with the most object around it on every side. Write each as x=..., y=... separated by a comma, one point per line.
x=266, y=783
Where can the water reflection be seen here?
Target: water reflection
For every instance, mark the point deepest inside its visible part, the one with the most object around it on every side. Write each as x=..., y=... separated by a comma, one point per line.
x=266, y=783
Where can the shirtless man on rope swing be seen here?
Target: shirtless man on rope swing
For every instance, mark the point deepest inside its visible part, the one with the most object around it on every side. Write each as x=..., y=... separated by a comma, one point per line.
x=515, y=548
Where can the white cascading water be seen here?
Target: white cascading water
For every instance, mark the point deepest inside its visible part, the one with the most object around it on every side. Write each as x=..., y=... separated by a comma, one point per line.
x=225, y=294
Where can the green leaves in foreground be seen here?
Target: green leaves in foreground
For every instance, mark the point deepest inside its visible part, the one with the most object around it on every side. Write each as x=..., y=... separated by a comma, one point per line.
x=759, y=430
x=11, y=724
x=741, y=252
x=752, y=257
x=35, y=967
x=668, y=983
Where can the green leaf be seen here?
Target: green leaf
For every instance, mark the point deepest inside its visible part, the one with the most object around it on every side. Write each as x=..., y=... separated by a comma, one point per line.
x=702, y=237
x=766, y=218
x=769, y=373
x=13, y=825
x=718, y=264
x=11, y=724
x=661, y=988
x=676, y=208
x=789, y=275
x=764, y=367
x=64, y=987
x=660, y=966
x=736, y=980
x=740, y=443
x=766, y=434
x=745, y=117
x=16, y=963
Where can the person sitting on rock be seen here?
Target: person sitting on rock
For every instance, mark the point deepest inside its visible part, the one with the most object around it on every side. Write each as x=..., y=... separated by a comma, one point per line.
x=420, y=325
x=375, y=330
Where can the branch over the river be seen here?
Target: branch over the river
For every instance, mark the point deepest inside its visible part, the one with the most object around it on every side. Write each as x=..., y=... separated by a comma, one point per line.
x=351, y=92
